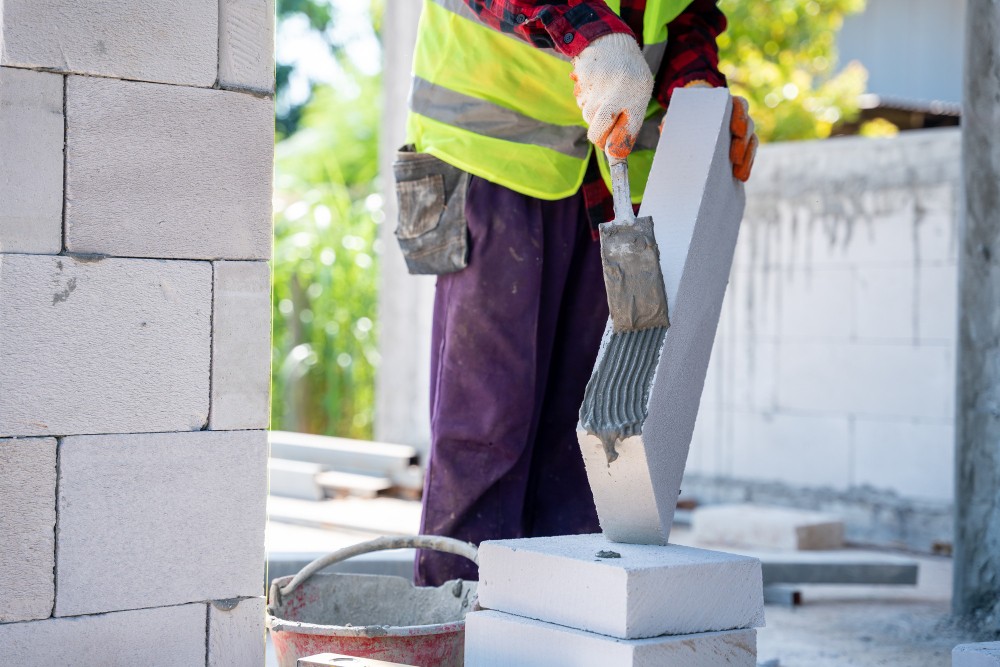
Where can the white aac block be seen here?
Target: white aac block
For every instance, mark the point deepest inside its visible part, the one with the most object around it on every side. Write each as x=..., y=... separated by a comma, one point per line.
x=762, y=527
x=696, y=205
x=236, y=632
x=246, y=45
x=241, y=346
x=115, y=345
x=27, y=522
x=31, y=167
x=189, y=169
x=976, y=655
x=168, y=636
x=494, y=639
x=149, y=40
x=160, y=519
x=627, y=591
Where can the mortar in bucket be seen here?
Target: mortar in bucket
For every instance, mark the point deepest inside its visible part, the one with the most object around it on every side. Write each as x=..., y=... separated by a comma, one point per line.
x=372, y=616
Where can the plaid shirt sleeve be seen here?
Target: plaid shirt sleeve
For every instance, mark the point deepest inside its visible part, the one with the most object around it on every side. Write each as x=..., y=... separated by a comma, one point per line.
x=692, y=53
x=568, y=27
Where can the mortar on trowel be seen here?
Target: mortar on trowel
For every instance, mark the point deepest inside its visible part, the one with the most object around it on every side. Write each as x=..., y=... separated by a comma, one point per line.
x=372, y=616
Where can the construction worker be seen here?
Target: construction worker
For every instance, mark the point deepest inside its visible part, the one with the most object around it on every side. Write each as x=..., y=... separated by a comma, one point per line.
x=500, y=193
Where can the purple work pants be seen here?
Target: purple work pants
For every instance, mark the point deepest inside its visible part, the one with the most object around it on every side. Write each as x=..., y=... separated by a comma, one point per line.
x=515, y=338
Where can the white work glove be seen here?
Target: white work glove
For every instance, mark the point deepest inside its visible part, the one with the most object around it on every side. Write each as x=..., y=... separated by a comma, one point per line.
x=613, y=88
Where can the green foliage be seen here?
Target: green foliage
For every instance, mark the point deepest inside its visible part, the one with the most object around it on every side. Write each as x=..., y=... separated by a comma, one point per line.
x=781, y=55
x=327, y=211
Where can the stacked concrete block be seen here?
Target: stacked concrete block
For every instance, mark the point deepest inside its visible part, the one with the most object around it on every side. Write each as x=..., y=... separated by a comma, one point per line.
x=135, y=230
x=768, y=528
x=976, y=655
x=626, y=597
x=635, y=461
x=31, y=171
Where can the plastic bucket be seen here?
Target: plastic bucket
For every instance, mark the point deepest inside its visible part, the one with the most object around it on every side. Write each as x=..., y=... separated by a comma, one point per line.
x=372, y=616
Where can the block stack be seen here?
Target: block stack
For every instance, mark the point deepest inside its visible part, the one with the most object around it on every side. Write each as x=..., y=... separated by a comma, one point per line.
x=626, y=597
x=136, y=143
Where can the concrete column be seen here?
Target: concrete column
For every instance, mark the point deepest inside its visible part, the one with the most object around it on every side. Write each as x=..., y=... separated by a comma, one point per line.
x=977, y=498
x=405, y=301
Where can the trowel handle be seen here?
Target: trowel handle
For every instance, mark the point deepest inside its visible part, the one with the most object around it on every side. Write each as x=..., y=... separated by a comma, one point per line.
x=621, y=191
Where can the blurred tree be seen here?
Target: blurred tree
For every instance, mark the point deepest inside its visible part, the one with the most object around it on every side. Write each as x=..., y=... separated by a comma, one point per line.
x=782, y=56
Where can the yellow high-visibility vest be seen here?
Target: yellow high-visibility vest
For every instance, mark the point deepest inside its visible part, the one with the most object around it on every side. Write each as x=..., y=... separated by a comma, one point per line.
x=495, y=106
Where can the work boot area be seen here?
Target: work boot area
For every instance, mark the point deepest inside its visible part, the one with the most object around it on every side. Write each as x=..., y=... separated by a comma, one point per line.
x=808, y=625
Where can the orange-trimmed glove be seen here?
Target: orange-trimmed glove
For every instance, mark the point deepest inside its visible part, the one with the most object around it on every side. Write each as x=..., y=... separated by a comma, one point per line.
x=743, y=149
x=613, y=88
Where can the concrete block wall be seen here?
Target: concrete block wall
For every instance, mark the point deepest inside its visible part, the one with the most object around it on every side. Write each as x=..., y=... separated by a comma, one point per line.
x=136, y=144
x=832, y=378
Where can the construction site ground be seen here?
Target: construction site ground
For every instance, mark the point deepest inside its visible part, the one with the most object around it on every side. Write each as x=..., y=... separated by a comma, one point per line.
x=834, y=626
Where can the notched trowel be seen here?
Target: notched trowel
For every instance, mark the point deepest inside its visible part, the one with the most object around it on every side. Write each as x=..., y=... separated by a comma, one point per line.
x=631, y=259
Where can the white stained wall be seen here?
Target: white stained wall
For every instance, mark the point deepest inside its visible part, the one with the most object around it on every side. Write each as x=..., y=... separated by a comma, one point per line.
x=136, y=143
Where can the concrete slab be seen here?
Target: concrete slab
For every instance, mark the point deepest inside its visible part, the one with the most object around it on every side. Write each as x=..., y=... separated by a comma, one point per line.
x=236, y=632
x=976, y=655
x=109, y=346
x=27, y=521
x=626, y=591
x=762, y=527
x=495, y=639
x=190, y=169
x=168, y=636
x=294, y=479
x=343, y=453
x=246, y=45
x=241, y=346
x=635, y=447
x=31, y=171
x=159, y=519
x=147, y=40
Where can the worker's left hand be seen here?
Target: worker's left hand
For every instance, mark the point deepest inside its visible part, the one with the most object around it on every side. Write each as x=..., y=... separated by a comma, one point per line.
x=743, y=148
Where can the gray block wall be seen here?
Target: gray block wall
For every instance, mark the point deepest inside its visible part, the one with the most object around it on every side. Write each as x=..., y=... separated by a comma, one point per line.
x=136, y=143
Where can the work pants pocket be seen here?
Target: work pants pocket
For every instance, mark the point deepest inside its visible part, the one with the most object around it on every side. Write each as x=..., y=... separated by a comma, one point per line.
x=432, y=231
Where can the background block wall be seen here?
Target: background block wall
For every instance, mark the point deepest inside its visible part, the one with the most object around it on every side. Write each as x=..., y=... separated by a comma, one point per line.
x=137, y=141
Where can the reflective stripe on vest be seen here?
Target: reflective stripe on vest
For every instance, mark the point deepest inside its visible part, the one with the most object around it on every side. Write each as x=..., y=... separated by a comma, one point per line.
x=493, y=105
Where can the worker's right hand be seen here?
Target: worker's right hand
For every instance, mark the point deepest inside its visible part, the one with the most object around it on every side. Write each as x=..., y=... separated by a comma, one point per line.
x=613, y=88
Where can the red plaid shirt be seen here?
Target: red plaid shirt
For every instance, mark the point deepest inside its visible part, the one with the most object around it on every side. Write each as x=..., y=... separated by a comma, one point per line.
x=570, y=26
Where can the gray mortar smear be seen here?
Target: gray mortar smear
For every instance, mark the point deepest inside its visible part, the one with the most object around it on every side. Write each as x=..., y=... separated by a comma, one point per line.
x=616, y=402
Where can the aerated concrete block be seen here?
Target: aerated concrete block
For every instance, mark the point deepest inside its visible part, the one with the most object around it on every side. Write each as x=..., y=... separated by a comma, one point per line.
x=626, y=591
x=190, y=170
x=27, y=522
x=147, y=40
x=116, y=345
x=761, y=527
x=640, y=406
x=31, y=169
x=177, y=517
x=168, y=636
x=246, y=45
x=494, y=639
x=241, y=346
x=236, y=632
x=976, y=655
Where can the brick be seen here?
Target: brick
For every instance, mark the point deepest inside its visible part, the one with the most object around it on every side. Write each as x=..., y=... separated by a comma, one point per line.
x=644, y=591
x=241, y=346
x=168, y=636
x=172, y=42
x=116, y=345
x=976, y=655
x=769, y=528
x=246, y=45
x=31, y=171
x=179, y=517
x=190, y=170
x=696, y=208
x=912, y=458
x=236, y=632
x=937, y=314
x=27, y=522
x=494, y=639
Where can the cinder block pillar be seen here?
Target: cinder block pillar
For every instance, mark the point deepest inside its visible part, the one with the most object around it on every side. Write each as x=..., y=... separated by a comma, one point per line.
x=136, y=142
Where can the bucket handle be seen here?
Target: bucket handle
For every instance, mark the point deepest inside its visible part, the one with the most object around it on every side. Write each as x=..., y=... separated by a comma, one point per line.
x=433, y=542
